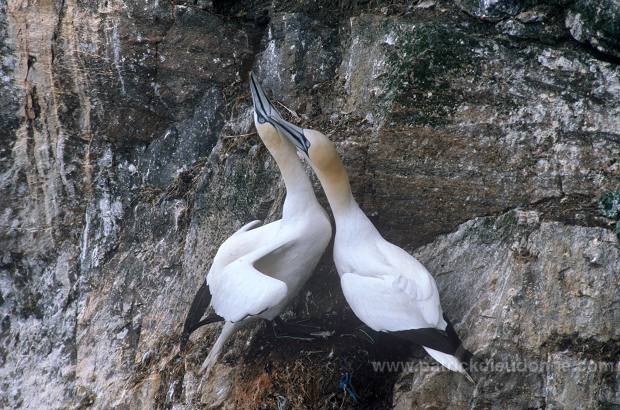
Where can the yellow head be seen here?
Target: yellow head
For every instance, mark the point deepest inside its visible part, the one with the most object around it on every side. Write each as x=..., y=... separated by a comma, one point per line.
x=274, y=131
x=322, y=152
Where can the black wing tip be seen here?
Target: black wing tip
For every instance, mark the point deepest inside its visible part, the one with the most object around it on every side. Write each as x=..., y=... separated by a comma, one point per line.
x=454, y=337
x=464, y=355
x=184, y=339
x=446, y=341
x=199, y=306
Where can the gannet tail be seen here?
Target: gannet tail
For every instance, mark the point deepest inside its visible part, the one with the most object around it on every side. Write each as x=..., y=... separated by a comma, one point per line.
x=456, y=360
x=450, y=362
x=442, y=345
x=227, y=331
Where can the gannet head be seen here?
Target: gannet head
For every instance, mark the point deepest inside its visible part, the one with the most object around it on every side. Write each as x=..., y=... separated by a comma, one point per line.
x=322, y=152
x=270, y=124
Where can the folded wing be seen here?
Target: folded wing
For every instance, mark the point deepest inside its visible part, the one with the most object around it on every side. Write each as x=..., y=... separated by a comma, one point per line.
x=411, y=277
x=381, y=303
x=240, y=290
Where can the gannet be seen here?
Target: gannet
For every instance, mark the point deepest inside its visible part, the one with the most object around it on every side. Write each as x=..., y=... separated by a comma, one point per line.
x=386, y=287
x=260, y=268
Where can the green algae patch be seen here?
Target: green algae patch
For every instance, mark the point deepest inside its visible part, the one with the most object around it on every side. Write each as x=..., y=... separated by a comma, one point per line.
x=423, y=65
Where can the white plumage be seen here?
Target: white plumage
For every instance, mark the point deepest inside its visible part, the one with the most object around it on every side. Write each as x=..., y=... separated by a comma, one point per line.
x=260, y=268
x=387, y=288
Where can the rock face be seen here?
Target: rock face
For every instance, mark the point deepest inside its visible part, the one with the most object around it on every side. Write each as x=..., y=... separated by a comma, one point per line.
x=596, y=23
x=536, y=306
x=483, y=140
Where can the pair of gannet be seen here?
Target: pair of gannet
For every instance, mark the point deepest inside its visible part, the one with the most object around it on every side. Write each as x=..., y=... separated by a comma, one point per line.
x=260, y=268
x=388, y=289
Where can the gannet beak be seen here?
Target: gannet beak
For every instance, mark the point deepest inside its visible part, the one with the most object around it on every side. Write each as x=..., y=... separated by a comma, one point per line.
x=262, y=106
x=266, y=113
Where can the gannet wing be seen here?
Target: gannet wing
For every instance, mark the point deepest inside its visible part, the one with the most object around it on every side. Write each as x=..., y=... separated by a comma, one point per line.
x=202, y=299
x=240, y=289
x=409, y=275
x=395, y=292
x=384, y=307
x=248, y=227
x=380, y=305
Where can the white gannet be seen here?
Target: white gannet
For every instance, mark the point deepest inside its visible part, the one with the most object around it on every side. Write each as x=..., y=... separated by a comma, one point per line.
x=387, y=288
x=260, y=268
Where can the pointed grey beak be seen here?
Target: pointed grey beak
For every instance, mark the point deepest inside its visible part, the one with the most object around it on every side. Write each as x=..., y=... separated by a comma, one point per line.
x=266, y=113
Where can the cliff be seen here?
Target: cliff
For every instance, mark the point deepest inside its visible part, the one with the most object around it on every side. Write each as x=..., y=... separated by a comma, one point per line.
x=481, y=136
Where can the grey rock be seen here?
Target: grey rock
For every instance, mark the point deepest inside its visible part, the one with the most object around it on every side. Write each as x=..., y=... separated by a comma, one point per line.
x=127, y=157
x=182, y=145
x=10, y=93
x=300, y=53
x=534, y=309
x=596, y=23
x=491, y=10
x=534, y=25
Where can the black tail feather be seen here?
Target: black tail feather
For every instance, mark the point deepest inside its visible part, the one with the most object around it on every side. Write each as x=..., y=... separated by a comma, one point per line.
x=461, y=353
x=430, y=337
x=199, y=306
x=443, y=341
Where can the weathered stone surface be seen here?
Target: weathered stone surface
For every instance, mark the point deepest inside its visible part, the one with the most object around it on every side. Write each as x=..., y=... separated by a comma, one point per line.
x=126, y=158
x=542, y=23
x=9, y=92
x=542, y=307
x=491, y=10
x=463, y=104
x=300, y=53
x=596, y=23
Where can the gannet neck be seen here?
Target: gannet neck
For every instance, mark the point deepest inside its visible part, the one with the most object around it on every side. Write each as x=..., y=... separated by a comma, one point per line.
x=299, y=191
x=335, y=182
